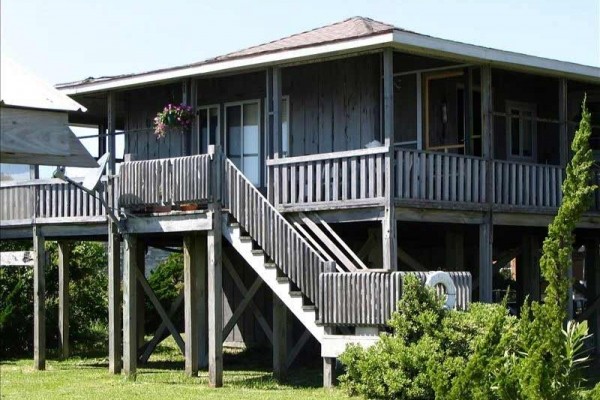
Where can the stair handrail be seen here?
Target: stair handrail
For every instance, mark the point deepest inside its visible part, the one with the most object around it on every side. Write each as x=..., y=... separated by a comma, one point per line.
x=290, y=251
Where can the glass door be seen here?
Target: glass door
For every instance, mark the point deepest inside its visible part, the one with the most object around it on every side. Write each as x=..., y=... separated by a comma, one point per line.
x=242, y=137
x=209, y=121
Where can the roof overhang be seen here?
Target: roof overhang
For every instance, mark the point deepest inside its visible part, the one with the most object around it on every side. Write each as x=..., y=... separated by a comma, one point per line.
x=401, y=40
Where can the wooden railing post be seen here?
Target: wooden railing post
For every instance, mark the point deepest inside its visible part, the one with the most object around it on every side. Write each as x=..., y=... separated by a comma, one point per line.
x=39, y=300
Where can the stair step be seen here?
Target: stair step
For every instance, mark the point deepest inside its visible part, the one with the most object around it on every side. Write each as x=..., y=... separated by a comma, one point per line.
x=309, y=307
x=245, y=238
x=295, y=293
x=270, y=265
x=234, y=224
x=283, y=279
x=258, y=252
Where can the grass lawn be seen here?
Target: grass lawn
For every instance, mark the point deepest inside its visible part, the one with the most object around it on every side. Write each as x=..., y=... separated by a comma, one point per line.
x=162, y=378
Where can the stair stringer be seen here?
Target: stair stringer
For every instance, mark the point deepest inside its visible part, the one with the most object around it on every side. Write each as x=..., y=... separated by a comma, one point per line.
x=308, y=318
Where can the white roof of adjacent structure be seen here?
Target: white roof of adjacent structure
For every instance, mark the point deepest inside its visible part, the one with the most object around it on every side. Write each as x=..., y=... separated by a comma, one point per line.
x=346, y=37
x=20, y=88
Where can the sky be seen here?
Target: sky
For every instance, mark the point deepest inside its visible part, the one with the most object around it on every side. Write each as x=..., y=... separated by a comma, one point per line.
x=68, y=40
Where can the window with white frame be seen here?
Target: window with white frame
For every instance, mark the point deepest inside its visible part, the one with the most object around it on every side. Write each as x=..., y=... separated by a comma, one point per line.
x=242, y=137
x=521, y=131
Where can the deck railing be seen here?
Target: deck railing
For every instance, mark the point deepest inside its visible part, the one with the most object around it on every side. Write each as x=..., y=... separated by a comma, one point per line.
x=422, y=175
x=527, y=185
x=356, y=176
x=368, y=298
x=296, y=258
x=46, y=200
x=165, y=181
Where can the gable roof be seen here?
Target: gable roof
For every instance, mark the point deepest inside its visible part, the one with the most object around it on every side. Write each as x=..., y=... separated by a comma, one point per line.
x=347, y=36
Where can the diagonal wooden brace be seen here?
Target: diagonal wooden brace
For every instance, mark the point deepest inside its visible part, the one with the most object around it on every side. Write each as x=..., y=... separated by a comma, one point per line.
x=161, y=311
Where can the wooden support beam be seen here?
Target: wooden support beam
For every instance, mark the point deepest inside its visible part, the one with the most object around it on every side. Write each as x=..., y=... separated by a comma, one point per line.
x=191, y=266
x=528, y=269
x=486, y=260
x=409, y=261
x=262, y=321
x=64, y=253
x=329, y=372
x=111, y=118
x=277, y=95
x=141, y=301
x=39, y=301
x=215, y=274
x=161, y=311
x=297, y=347
x=161, y=332
x=202, y=259
x=279, y=339
x=388, y=223
x=563, y=134
x=242, y=306
x=114, y=300
x=592, y=277
x=130, y=272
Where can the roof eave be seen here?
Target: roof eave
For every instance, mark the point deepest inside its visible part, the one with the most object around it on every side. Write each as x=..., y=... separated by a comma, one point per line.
x=262, y=60
x=464, y=52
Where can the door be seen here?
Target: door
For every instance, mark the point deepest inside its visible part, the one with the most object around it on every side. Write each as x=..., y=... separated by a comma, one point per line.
x=242, y=137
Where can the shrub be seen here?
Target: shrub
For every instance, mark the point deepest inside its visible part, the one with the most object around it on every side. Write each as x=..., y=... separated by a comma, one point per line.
x=88, y=300
x=428, y=348
x=166, y=280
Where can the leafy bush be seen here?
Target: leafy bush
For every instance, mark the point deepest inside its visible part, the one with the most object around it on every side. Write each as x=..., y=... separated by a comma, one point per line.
x=88, y=300
x=428, y=348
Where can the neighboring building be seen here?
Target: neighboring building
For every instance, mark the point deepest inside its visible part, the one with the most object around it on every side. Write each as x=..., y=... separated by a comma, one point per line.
x=34, y=122
x=377, y=148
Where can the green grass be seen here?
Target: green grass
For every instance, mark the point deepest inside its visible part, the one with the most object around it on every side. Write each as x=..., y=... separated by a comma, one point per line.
x=162, y=378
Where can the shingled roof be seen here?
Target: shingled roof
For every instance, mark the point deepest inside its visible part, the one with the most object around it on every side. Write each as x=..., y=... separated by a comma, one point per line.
x=350, y=28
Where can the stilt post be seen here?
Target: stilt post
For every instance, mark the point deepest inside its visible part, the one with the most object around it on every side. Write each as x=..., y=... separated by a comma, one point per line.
x=280, y=336
x=64, y=255
x=39, y=301
x=130, y=307
x=215, y=277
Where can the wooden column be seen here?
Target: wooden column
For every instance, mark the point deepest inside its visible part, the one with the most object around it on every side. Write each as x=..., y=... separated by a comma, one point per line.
x=111, y=128
x=202, y=258
x=130, y=306
x=195, y=141
x=563, y=127
x=215, y=277
x=528, y=268
x=274, y=129
x=486, y=237
x=468, y=107
x=191, y=268
x=64, y=254
x=390, y=244
x=115, y=343
x=141, y=298
x=280, y=335
x=455, y=250
x=39, y=301
x=328, y=366
x=592, y=277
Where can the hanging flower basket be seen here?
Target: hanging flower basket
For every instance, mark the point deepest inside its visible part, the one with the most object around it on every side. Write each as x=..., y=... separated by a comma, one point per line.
x=173, y=118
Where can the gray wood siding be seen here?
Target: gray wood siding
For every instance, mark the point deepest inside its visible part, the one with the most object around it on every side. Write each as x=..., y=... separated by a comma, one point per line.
x=334, y=106
x=141, y=106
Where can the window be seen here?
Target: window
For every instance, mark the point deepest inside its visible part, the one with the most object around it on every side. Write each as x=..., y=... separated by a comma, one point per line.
x=242, y=137
x=521, y=131
x=209, y=121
